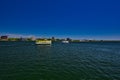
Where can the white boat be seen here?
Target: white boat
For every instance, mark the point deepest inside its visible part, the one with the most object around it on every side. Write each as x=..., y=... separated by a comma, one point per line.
x=43, y=42
x=65, y=41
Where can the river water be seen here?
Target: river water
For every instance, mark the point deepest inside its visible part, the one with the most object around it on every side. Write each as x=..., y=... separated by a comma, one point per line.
x=74, y=61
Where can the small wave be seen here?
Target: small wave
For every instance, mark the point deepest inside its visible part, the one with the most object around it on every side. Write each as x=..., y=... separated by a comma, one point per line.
x=6, y=45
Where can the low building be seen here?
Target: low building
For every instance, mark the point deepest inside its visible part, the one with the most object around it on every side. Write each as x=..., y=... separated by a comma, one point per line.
x=4, y=38
x=33, y=38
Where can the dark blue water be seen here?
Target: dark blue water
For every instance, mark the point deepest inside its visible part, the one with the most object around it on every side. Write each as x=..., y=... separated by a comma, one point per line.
x=74, y=61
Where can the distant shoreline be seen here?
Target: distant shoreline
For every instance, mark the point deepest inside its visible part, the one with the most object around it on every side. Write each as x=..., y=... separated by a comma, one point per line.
x=53, y=39
x=60, y=41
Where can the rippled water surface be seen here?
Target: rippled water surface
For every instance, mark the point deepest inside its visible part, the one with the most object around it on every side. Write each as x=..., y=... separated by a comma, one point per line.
x=74, y=61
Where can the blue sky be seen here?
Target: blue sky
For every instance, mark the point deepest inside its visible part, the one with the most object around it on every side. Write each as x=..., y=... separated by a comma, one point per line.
x=90, y=19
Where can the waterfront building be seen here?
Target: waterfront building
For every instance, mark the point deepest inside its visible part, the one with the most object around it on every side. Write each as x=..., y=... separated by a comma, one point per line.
x=4, y=38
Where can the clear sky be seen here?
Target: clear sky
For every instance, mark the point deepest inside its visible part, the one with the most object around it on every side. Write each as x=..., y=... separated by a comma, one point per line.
x=90, y=19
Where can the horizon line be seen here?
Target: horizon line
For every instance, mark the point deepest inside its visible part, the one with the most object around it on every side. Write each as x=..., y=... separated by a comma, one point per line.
x=78, y=37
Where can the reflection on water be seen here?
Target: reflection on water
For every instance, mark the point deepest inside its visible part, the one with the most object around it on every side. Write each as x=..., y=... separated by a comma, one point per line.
x=74, y=61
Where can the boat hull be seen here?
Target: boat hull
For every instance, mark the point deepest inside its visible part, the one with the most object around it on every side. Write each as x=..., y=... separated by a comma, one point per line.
x=65, y=41
x=46, y=42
